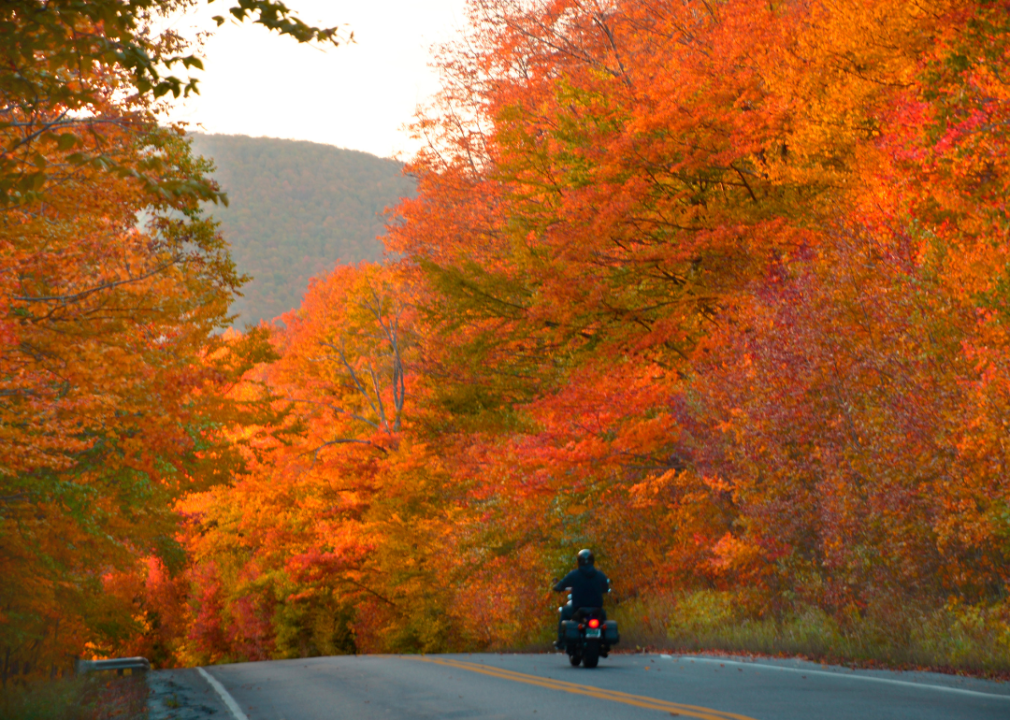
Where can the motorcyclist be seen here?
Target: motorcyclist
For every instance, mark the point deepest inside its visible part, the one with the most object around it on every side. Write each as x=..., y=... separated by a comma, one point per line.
x=588, y=586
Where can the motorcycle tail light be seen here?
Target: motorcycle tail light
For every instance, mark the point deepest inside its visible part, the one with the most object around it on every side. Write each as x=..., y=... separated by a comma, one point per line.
x=594, y=623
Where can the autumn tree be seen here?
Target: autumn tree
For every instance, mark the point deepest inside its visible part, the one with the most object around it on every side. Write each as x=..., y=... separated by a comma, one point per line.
x=329, y=543
x=716, y=288
x=112, y=290
x=860, y=430
x=609, y=194
x=106, y=407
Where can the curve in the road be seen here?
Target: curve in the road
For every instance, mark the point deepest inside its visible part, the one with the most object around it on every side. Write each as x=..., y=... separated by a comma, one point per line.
x=229, y=701
x=613, y=695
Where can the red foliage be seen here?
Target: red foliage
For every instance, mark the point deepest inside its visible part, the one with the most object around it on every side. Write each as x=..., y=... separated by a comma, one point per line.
x=719, y=289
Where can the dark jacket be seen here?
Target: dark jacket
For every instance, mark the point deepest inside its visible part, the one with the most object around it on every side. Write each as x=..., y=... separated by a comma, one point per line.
x=588, y=586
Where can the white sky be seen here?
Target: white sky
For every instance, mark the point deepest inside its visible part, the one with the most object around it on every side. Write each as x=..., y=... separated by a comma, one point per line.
x=355, y=96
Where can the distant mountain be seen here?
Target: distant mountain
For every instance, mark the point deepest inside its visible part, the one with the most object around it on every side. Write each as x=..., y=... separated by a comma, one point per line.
x=295, y=209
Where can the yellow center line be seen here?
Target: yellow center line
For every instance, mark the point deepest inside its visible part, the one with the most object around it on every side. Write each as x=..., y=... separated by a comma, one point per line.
x=613, y=695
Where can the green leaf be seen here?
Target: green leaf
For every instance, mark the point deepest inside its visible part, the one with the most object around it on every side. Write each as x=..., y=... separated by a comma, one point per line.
x=66, y=141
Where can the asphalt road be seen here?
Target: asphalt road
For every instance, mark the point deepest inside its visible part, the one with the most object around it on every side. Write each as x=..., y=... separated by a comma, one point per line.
x=453, y=687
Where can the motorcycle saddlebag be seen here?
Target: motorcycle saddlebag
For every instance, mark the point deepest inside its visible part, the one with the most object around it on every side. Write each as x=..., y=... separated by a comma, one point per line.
x=571, y=630
x=610, y=633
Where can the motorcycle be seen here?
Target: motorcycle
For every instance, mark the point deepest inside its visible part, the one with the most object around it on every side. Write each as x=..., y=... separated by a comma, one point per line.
x=588, y=636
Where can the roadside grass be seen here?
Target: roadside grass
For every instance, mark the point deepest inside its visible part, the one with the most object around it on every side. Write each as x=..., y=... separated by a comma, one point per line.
x=93, y=697
x=956, y=638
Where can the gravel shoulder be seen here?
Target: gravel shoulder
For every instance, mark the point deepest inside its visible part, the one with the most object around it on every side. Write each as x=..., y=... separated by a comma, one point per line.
x=183, y=695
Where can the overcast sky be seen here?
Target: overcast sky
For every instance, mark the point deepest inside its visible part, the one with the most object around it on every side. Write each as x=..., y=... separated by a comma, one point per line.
x=355, y=96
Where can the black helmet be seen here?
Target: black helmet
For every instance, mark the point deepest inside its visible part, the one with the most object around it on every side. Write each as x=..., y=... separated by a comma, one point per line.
x=585, y=557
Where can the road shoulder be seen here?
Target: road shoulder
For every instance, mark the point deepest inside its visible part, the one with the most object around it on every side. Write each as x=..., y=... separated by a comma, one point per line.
x=183, y=695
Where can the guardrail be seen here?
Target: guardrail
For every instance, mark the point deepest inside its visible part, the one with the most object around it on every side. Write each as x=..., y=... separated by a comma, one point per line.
x=133, y=664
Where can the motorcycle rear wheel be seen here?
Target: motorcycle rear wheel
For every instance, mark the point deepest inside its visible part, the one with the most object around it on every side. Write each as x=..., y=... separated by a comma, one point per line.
x=592, y=656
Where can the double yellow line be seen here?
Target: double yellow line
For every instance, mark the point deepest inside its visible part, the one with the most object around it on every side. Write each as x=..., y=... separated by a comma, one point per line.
x=590, y=691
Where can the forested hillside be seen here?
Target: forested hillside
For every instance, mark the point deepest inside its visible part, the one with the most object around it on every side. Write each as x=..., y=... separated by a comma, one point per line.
x=296, y=208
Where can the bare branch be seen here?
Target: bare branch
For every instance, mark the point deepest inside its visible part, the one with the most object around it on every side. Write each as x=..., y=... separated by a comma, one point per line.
x=343, y=441
x=354, y=375
x=378, y=396
x=74, y=297
x=335, y=409
x=369, y=590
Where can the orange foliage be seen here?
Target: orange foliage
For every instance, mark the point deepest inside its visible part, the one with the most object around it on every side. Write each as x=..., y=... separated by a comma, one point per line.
x=718, y=289
x=111, y=290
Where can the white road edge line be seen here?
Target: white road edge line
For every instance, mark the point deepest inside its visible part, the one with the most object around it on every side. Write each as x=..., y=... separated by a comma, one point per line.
x=225, y=695
x=941, y=688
